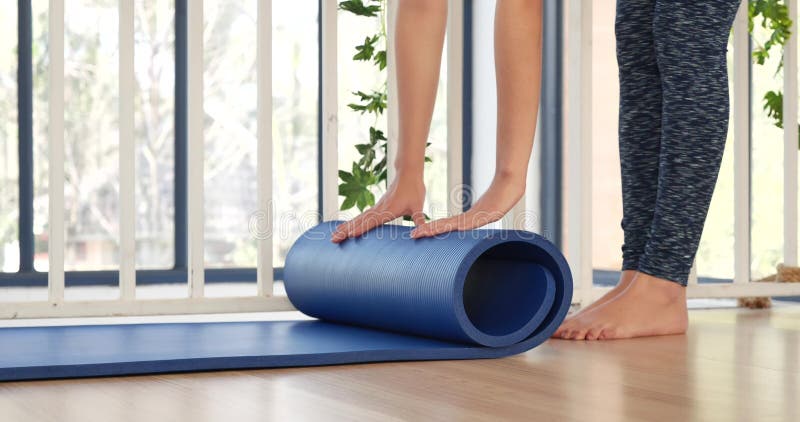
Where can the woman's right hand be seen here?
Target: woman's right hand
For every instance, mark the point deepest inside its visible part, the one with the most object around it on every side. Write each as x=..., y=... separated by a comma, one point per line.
x=405, y=197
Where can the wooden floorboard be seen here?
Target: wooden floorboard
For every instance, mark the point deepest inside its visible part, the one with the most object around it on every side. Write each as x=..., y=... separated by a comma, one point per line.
x=733, y=365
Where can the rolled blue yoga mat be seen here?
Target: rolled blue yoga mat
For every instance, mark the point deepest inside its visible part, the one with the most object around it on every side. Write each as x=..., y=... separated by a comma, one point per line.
x=380, y=297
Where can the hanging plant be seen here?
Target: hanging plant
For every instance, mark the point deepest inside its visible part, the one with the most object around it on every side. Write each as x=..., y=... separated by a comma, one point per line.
x=772, y=15
x=369, y=171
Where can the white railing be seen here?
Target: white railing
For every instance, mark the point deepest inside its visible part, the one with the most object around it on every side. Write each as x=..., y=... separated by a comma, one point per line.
x=196, y=302
x=579, y=144
x=579, y=49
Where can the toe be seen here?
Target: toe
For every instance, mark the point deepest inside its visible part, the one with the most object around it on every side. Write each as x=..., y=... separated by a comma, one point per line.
x=560, y=331
x=576, y=329
x=580, y=334
x=565, y=327
x=593, y=333
x=608, y=334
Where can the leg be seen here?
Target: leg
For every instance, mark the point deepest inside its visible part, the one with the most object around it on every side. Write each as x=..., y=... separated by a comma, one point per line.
x=518, y=64
x=639, y=132
x=690, y=40
x=692, y=59
x=418, y=41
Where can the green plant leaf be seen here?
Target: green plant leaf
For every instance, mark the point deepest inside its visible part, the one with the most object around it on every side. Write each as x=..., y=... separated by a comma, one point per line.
x=380, y=59
x=408, y=217
x=773, y=105
x=364, y=51
x=376, y=135
x=363, y=148
x=357, y=7
x=775, y=17
x=348, y=203
x=345, y=176
x=374, y=102
x=370, y=169
x=367, y=158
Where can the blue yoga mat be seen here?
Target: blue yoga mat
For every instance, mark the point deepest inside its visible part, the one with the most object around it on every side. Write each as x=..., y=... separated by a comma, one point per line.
x=380, y=297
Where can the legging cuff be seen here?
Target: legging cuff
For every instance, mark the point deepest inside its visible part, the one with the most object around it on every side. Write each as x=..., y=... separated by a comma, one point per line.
x=630, y=264
x=673, y=273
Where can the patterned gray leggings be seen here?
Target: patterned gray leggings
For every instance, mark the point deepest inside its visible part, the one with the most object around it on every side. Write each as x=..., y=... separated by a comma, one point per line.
x=672, y=127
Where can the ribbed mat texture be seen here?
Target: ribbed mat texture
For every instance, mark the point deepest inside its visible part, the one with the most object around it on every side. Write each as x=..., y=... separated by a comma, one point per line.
x=380, y=297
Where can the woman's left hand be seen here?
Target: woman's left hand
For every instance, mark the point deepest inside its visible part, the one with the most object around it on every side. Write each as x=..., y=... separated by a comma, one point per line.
x=501, y=196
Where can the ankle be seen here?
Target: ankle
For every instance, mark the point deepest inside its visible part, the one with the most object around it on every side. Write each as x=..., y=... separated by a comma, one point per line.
x=667, y=290
x=626, y=277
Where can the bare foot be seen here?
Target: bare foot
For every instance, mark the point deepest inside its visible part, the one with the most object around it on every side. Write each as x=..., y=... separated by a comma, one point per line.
x=649, y=306
x=625, y=280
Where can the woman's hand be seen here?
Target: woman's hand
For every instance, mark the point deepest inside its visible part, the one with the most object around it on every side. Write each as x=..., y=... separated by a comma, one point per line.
x=502, y=195
x=405, y=197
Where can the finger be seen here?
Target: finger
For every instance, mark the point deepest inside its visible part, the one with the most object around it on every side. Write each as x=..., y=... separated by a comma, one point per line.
x=366, y=222
x=343, y=230
x=339, y=233
x=347, y=229
x=476, y=218
x=370, y=220
x=419, y=218
x=442, y=225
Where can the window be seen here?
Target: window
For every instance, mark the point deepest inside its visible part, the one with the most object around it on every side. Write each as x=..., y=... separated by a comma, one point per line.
x=91, y=134
x=9, y=171
x=92, y=126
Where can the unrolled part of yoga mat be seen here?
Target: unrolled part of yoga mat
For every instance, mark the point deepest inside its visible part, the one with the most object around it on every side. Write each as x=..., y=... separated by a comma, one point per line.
x=380, y=297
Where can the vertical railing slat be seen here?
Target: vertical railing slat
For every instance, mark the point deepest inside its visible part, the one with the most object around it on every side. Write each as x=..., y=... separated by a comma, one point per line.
x=25, y=117
x=455, y=99
x=55, y=248
x=264, y=235
x=330, y=119
x=127, y=153
x=195, y=113
x=579, y=145
x=741, y=146
x=790, y=141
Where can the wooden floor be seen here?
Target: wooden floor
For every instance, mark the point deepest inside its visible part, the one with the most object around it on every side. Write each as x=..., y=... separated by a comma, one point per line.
x=733, y=365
